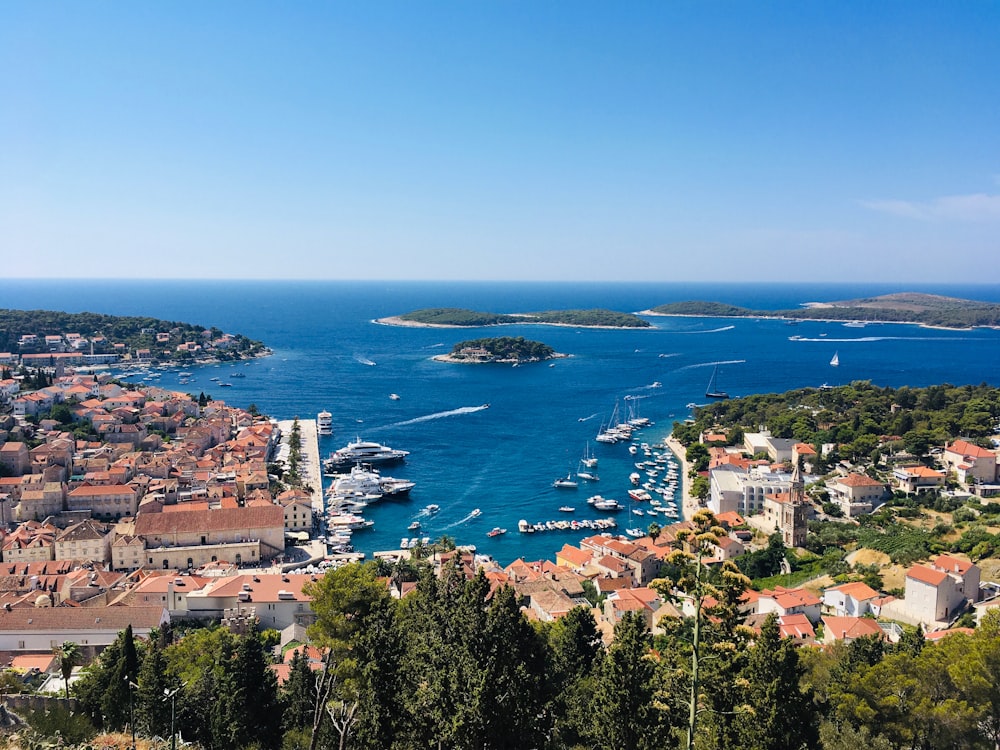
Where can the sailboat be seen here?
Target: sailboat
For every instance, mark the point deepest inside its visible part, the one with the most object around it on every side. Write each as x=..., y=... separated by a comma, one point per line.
x=589, y=460
x=713, y=389
x=835, y=362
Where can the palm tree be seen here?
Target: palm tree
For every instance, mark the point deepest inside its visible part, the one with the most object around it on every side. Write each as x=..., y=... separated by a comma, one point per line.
x=654, y=531
x=69, y=656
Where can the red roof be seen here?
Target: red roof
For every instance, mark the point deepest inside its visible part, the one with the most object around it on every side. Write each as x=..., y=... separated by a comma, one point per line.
x=926, y=575
x=857, y=590
x=859, y=480
x=952, y=564
x=968, y=449
x=850, y=627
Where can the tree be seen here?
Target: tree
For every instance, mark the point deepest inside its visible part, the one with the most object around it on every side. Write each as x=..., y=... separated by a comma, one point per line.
x=248, y=700
x=778, y=714
x=654, y=531
x=152, y=713
x=625, y=716
x=69, y=656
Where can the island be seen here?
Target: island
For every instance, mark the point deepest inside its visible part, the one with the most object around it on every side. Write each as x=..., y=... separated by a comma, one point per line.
x=504, y=349
x=47, y=338
x=456, y=317
x=902, y=307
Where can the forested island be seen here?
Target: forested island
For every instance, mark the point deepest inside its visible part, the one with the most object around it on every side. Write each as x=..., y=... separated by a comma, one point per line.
x=903, y=307
x=503, y=349
x=455, y=317
x=52, y=332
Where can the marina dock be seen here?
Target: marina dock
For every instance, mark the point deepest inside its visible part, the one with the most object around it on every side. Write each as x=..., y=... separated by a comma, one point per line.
x=311, y=469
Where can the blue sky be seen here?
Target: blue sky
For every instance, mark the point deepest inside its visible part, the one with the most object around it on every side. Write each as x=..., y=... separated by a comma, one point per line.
x=580, y=140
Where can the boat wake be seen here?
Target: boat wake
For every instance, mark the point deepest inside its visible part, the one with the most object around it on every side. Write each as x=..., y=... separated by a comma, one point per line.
x=584, y=419
x=465, y=519
x=433, y=346
x=363, y=360
x=870, y=339
x=711, y=330
x=442, y=415
x=715, y=364
x=673, y=354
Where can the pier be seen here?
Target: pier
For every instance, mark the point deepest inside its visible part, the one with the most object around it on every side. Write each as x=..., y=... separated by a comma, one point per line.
x=310, y=468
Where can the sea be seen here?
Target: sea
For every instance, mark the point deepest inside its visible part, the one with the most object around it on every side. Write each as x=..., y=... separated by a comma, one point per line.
x=328, y=353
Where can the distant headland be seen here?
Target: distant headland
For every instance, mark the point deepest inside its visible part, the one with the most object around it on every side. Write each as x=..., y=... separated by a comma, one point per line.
x=455, y=317
x=504, y=350
x=903, y=307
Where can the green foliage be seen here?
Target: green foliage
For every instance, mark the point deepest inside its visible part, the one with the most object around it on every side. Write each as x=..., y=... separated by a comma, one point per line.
x=71, y=727
x=508, y=348
x=453, y=316
x=122, y=329
x=764, y=562
x=905, y=307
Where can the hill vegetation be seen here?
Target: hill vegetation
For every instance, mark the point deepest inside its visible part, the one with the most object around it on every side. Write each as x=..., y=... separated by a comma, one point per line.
x=903, y=307
x=133, y=331
x=503, y=349
x=455, y=665
x=453, y=316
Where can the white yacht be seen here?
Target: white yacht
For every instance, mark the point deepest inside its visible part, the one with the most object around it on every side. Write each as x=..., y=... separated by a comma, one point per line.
x=367, y=481
x=324, y=423
x=365, y=452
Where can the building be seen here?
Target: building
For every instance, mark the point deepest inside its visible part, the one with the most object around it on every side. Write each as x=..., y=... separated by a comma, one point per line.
x=971, y=464
x=850, y=599
x=914, y=479
x=735, y=489
x=191, y=538
x=84, y=540
x=856, y=494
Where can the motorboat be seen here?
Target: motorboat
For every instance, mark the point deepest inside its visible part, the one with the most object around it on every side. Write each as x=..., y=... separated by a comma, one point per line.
x=432, y=508
x=475, y=513
x=635, y=478
x=608, y=504
x=566, y=509
x=639, y=494
x=496, y=531
x=324, y=423
x=365, y=452
x=415, y=526
x=394, y=396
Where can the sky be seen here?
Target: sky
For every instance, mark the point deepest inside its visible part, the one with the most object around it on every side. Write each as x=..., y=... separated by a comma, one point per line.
x=552, y=140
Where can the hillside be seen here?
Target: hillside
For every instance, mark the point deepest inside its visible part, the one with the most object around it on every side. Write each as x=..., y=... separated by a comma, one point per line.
x=462, y=318
x=901, y=307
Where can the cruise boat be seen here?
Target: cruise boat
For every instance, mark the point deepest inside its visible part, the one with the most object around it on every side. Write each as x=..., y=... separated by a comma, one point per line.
x=324, y=423
x=364, y=480
x=365, y=452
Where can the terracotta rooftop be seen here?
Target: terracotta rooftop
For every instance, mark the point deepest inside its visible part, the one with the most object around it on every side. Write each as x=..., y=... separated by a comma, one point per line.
x=926, y=575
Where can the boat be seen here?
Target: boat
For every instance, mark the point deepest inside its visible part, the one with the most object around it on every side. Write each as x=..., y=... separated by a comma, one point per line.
x=638, y=512
x=415, y=526
x=566, y=483
x=713, y=389
x=365, y=452
x=237, y=375
x=608, y=504
x=855, y=324
x=566, y=509
x=589, y=460
x=835, y=362
x=633, y=450
x=635, y=478
x=432, y=508
x=364, y=480
x=496, y=531
x=394, y=396
x=324, y=423
x=635, y=533
x=639, y=494
x=588, y=476
x=524, y=527
x=475, y=513
x=225, y=385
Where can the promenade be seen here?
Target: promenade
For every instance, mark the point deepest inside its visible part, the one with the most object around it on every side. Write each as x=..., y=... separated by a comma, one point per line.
x=689, y=502
x=310, y=468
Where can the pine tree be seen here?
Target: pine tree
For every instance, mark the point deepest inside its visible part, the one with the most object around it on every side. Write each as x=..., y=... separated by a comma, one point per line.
x=778, y=714
x=152, y=712
x=298, y=693
x=625, y=716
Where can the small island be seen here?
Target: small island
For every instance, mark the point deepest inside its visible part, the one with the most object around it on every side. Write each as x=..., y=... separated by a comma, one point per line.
x=456, y=317
x=903, y=307
x=504, y=350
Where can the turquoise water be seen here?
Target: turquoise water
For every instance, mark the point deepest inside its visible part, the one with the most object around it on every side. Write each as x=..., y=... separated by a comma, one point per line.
x=503, y=459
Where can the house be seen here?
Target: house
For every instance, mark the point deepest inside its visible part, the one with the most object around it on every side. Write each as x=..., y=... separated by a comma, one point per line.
x=106, y=501
x=935, y=594
x=736, y=489
x=16, y=458
x=276, y=600
x=42, y=628
x=914, y=479
x=32, y=541
x=971, y=464
x=849, y=599
x=784, y=601
x=848, y=629
x=856, y=494
x=84, y=540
